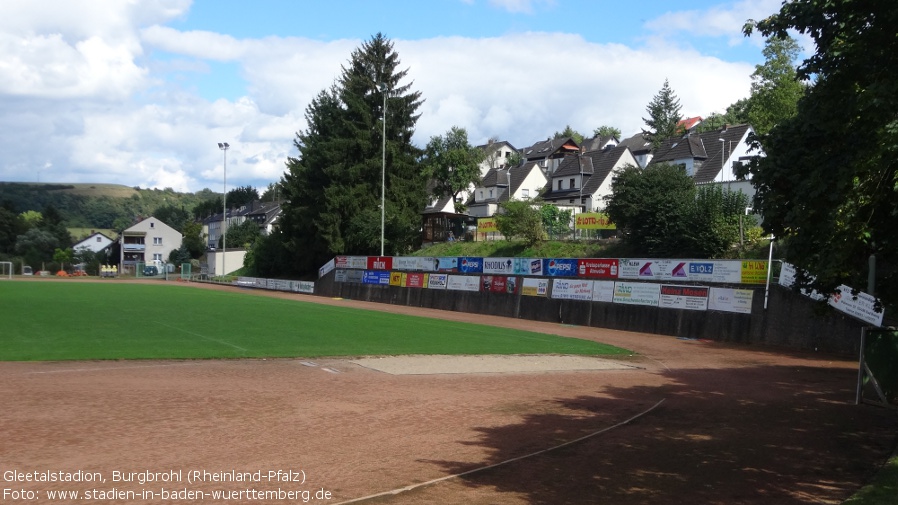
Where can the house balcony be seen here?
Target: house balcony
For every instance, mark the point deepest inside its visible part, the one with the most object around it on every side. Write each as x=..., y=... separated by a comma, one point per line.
x=134, y=247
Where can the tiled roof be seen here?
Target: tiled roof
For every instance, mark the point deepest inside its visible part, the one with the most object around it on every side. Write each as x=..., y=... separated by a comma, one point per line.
x=546, y=148
x=637, y=144
x=705, y=147
x=600, y=164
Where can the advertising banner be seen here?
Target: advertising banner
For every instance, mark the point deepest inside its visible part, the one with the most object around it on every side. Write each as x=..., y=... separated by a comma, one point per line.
x=376, y=277
x=722, y=271
x=380, y=263
x=396, y=279
x=787, y=280
x=754, y=272
x=463, y=283
x=535, y=287
x=405, y=263
x=445, y=264
x=603, y=291
x=860, y=306
x=469, y=265
x=303, y=287
x=437, y=281
x=637, y=293
x=414, y=280
x=359, y=262
x=499, y=284
x=487, y=225
x=564, y=289
x=684, y=297
x=598, y=268
x=326, y=268
x=560, y=267
x=593, y=221
x=731, y=300
x=499, y=266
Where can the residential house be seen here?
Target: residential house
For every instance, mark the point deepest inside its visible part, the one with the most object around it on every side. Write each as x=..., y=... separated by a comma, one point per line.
x=496, y=155
x=549, y=153
x=523, y=182
x=148, y=241
x=598, y=143
x=95, y=242
x=264, y=214
x=711, y=156
x=583, y=180
x=640, y=148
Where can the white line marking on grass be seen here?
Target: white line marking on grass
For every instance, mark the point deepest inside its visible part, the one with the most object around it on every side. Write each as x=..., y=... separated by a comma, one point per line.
x=202, y=336
x=482, y=468
x=103, y=369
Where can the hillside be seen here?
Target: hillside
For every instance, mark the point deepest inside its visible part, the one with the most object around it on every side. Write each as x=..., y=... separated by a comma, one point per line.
x=96, y=206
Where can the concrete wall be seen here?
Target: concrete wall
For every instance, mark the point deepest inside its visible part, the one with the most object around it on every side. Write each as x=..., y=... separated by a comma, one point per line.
x=790, y=321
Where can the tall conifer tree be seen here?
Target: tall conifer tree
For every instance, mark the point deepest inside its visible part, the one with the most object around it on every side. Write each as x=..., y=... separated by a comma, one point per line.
x=333, y=188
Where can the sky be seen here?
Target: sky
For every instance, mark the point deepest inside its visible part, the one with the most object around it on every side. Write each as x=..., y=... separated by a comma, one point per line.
x=140, y=92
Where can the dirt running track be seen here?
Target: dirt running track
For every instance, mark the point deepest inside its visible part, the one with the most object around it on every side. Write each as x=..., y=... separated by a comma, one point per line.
x=736, y=426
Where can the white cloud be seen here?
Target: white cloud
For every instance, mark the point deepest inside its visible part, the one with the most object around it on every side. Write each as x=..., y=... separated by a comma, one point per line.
x=726, y=20
x=519, y=6
x=83, y=98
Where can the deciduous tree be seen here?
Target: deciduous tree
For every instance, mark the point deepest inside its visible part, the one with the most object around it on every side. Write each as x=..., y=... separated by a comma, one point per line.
x=829, y=182
x=452, y=164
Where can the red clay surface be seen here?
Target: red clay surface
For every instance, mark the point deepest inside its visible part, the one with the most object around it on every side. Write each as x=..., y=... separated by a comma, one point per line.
x=737, y=426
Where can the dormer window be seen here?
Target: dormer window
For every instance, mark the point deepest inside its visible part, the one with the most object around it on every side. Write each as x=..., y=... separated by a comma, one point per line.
x=491, y=193
x=559, y=184
x=573, y=182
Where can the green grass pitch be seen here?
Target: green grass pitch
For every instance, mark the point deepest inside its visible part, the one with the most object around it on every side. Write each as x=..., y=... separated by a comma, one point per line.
x=48, y=321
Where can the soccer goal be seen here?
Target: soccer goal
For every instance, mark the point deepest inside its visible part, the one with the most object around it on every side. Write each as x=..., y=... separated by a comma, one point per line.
x=5, y=270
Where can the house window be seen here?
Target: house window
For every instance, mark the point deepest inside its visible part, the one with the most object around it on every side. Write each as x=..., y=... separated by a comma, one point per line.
x=491, y=193
x=572, y=183
x=559, y=184
x=99, y=240
x=525, y=193
x=481, y=195
x=152, y=224
x=157, y=240
x=157, y=257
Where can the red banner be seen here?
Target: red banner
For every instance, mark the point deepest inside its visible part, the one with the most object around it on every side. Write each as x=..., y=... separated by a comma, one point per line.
x=500, y=284
x=598, y=268
x=415, y=280
x=380, y=262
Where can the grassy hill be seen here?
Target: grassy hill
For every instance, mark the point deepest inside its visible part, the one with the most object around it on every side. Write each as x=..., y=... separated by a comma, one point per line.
x=96, y=206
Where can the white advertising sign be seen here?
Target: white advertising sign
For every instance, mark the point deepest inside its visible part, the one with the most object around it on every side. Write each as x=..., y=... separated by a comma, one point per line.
x=731, y=300
x=463, y=283
x=535, y=287
x=566, y=289
x=684, y=297
x=437, y=281
x=637, y=293
x=860, y=307
x=603, y=291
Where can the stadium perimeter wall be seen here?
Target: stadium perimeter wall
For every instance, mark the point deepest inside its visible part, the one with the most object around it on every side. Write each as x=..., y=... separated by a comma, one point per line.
x=789, y=321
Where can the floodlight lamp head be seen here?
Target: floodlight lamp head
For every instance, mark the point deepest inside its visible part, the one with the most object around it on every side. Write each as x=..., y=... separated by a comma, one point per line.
x=223, y=145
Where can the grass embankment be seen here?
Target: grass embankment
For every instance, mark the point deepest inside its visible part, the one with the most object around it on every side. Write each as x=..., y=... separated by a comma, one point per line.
x=565, y=249
x=882, y=491
x=48, y=320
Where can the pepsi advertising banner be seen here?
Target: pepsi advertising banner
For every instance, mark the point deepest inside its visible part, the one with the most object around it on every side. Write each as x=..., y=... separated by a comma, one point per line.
x=560, y=267
x=469, y=265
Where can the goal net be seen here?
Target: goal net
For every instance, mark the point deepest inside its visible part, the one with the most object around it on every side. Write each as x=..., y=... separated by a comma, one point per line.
x=5, y=270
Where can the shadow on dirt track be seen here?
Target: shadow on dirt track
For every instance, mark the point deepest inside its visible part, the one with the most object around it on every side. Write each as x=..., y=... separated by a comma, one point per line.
x=756, y=435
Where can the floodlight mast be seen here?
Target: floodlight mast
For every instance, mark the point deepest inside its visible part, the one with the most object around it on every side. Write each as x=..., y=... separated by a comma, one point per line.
x=224, y=146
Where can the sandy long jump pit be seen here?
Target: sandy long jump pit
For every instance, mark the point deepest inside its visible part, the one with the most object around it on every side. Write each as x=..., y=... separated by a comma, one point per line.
x=680, y=422
x=423, y=365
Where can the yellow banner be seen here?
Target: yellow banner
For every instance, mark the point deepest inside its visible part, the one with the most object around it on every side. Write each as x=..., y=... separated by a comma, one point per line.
x=754, y=272
x=397, y=279
x=486, y=225
x=594, y=221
